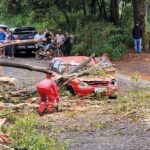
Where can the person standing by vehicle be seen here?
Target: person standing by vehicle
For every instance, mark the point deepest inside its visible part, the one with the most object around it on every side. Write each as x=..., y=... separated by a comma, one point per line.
x=66, y=46
x=49, y=37
x=137, y=35
x=10, y=49
x=49, y=93
x=39, y=37
x=59, y=38
x=2, y=38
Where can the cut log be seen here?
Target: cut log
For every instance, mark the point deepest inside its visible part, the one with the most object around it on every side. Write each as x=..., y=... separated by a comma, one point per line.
x=100, y=67
x=18, y=92
x=18, y=107
x=27, y=67
x=21, y=42
x=44, y=70
x=7, y=80
x=82, y=64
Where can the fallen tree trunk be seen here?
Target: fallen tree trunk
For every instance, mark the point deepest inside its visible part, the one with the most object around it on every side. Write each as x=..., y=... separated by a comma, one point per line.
x=100, y=67
x=82, y=64
x=27, y=67
x=21, y=42
x=18, y=93
x=44, y=70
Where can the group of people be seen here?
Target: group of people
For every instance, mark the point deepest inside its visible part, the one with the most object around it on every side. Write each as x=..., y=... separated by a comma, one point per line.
x=6, y=36
x=48, y=90
x=62, y=41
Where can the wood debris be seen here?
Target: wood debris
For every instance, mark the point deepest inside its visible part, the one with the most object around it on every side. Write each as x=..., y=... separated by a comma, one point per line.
x=7, y=80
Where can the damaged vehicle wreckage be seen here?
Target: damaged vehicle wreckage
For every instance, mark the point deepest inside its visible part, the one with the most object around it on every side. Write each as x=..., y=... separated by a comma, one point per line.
x=68, y=74
x=88, y=84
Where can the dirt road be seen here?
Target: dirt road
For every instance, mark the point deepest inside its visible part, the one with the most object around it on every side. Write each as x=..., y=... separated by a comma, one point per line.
x=115, y=136
x=126, y=73
x=133, y=64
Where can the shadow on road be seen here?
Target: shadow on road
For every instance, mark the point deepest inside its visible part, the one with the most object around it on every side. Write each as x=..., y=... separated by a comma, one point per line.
x=24, y=55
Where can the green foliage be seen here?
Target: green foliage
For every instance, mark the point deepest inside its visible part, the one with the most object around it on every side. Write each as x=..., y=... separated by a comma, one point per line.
x=99, y=125
x=133, y=105
x=25, y=134
x=92, y=34
x=102, y=38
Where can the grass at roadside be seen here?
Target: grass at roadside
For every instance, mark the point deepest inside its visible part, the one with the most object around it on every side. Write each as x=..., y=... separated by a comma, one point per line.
x=29, y=130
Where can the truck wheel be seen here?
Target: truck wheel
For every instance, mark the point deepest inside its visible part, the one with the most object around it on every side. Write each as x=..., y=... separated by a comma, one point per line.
x=70, y=89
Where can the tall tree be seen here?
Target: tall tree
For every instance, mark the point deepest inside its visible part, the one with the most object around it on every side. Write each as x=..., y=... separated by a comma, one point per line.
x=84, y=7
x=62, y=8
x=102, y=9
x=140, y=16
x=93, y=6
x=114, y=11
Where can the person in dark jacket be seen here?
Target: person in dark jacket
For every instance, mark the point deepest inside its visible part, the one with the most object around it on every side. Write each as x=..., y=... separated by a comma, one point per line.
x=49, y=37
x=137, y=35
x=66, y=46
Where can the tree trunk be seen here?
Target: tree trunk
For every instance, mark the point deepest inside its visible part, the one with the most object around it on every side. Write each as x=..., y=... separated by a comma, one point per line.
x=140, y=16
x=99, y=8
x=104, y=9
x=58, y=3
x=93, y=6
x=84, y=8
x=27, y=67
x=136, y=11
x=114, y=11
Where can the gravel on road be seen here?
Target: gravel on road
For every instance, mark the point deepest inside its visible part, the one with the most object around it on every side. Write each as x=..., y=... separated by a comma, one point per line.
x=29, y=79
x=117, y=137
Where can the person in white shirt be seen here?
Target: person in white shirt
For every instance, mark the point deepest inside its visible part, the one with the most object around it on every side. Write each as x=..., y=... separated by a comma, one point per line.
x=39, y=37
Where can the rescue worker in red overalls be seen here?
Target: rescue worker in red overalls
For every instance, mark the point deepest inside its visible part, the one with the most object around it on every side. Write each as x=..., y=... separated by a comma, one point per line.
x=49, y=93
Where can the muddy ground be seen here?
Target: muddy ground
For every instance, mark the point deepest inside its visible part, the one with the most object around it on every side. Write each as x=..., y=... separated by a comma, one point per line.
x=78, y=123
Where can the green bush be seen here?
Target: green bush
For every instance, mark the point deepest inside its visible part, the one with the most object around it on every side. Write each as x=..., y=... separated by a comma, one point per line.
x=92, y=34
x=101, y=38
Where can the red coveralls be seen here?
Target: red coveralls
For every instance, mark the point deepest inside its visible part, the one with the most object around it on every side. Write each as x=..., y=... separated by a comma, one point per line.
x=47, y=89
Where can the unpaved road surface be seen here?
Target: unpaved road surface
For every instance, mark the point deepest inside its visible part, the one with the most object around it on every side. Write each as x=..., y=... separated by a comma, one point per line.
x=120, y=136
x=133, y=64
x=25, y=78
x=29, y=79
x=131, y=137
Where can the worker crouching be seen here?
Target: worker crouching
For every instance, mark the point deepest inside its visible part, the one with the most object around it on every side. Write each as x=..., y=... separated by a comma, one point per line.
x=49, y=94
